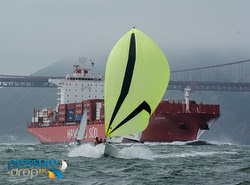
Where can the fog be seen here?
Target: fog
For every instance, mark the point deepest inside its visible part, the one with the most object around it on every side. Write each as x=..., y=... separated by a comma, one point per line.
x=35, y=34
x=194, y=33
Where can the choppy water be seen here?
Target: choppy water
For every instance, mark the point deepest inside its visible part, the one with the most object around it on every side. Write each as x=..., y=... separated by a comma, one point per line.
x=147, y=163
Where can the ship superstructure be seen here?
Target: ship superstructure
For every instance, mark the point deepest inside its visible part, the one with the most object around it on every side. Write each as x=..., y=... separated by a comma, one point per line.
x=81, y=85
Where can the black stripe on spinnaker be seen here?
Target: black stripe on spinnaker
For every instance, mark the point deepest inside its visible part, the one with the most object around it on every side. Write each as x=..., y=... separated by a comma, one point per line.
x=143, y=106
x=127, y=78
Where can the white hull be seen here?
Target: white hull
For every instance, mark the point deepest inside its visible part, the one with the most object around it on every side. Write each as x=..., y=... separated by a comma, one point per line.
x=111, y=150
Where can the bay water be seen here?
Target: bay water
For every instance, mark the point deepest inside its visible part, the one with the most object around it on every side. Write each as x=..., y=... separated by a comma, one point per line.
x=148, y=163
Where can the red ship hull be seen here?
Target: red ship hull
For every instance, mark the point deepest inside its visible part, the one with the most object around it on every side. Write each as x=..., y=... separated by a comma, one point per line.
x=167, y=127
x=66, y=134
x=170, y=122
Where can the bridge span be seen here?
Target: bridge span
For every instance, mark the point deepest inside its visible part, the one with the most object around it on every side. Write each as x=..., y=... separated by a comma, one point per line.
x=39, y=81
x=232, y=76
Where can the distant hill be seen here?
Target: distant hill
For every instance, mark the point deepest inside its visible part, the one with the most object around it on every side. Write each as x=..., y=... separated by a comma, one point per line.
x=60, y=68
x=63, y=67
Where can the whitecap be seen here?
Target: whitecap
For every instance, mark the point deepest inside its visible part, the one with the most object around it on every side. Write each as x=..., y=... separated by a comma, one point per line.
x=136, y=152
x=87, y=150
x=31, y=149
x=191, y=154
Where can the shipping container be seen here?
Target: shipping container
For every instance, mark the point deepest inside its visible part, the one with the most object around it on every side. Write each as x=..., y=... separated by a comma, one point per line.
x=70, y=115
x=34, y=119
x=62, y=107
x=78, y=111
x=61, y=119
x=94, y=107
x=98, y=114
x=78, y=117
x=61, y=112
x=71, y=106
x=50, y=113
x=70, y=112
x=102, y=111
x=40, y=114
x=98, y=105
x=78, y=105
x=70, y=118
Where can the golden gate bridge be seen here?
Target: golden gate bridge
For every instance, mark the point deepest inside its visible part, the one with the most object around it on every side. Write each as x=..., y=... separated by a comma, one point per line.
x=234, y=76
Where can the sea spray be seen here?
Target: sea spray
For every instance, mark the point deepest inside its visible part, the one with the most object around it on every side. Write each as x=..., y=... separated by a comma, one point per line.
x=136, y=152
x=87, y=150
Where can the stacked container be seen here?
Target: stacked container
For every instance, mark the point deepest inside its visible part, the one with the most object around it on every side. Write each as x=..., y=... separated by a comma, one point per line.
x=78, y=111
x=70, y=112
x=94, y=109
x=102, y=111
x=98, y=110
x=90, y=109
x=73, y=112
x=61, y=113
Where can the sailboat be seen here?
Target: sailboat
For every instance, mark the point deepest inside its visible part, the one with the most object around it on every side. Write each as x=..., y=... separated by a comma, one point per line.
x=136, y=78
x=81, y=131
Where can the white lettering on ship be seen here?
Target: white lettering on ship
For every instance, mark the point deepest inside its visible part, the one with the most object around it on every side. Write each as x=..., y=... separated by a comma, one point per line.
x=71, y=133
x=93, y=132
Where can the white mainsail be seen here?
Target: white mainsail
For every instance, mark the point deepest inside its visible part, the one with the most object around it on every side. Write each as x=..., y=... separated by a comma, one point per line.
x=82, y=128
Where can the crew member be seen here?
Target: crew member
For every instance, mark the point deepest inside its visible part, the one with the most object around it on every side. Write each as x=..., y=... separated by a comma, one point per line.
x=96, y=141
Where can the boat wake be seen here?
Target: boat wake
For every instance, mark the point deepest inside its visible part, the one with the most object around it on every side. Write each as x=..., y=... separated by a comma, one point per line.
x=87, y=150
x=195, y=142
x=220, y=143
x=164, y=143
x=128, y=152
x=192, y=154
x=136, y=152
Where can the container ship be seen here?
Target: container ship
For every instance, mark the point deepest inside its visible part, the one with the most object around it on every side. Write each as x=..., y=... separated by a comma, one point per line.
x=173, y=120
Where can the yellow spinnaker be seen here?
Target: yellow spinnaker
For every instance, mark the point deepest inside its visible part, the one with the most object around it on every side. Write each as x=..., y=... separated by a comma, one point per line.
x=136, y=78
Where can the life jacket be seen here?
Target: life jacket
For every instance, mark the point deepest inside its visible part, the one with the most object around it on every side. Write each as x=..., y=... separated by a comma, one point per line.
x=96, y=142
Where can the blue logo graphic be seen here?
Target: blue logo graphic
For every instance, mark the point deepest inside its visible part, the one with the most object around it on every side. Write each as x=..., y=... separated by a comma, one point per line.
x=32, y=168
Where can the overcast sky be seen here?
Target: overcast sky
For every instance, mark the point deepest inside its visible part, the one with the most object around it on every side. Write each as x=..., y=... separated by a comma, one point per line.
x=35, y=34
